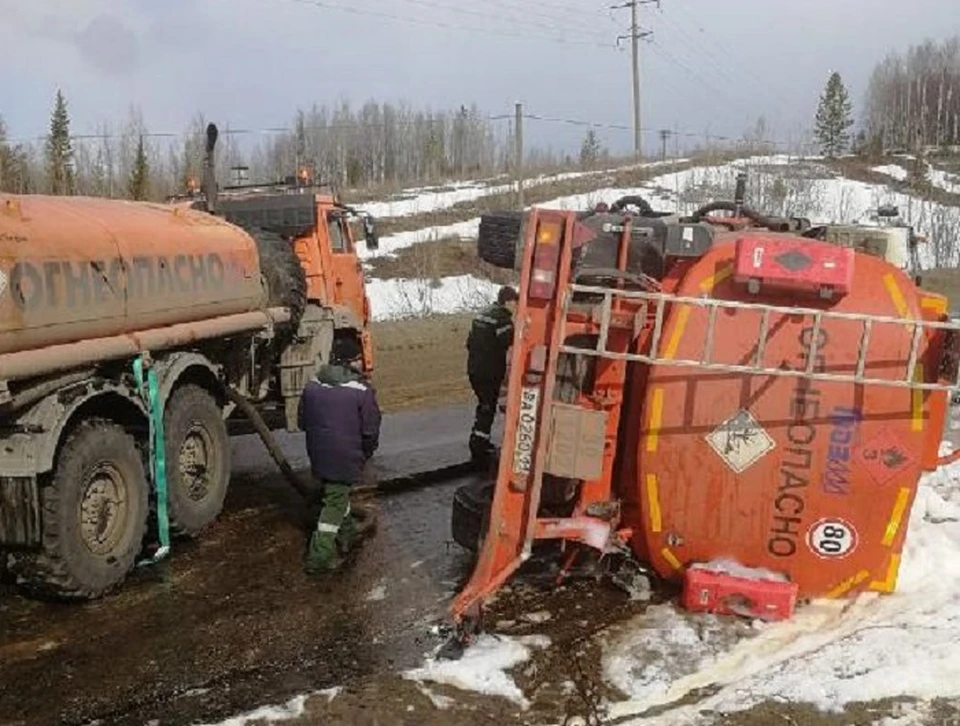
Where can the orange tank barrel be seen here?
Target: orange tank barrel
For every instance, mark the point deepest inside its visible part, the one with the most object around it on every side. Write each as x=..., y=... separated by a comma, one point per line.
x=74, y=268
x=812, y=478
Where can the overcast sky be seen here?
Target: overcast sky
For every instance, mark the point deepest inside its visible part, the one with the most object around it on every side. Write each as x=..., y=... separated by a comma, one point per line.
x=709, y=65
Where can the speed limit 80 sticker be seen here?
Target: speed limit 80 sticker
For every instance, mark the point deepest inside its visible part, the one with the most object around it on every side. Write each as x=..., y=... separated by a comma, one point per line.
x=832, y=538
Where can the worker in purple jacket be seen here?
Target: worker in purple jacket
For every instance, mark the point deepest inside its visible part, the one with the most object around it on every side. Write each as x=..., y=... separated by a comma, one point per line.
x=341, y=418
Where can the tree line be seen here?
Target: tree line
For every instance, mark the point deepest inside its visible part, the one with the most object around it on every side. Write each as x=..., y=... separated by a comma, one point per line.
x=375, y=144
x=912, y=103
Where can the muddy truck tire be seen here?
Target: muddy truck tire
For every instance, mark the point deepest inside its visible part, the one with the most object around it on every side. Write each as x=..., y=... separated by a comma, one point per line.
x=471, y=513
x=94, y=516
x=283, y=275
x=198, y=460
x=499, y=239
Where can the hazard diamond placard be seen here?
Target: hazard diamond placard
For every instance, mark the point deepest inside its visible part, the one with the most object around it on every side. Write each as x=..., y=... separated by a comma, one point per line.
x=884, y=457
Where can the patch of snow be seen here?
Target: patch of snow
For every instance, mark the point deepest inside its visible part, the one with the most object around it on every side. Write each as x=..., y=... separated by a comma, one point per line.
x=406, y=298
x=735, y=569
x=483, y=667
x=440, y=702
x=538, y=617
x=294, y=708
x=377, y=593
x=892, y=170
x=907, y=714
x=950, y=183
x=422, y=200
x=830, y=654
x=394, y=243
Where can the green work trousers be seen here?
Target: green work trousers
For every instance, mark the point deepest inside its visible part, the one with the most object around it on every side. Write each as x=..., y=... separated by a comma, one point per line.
x=335, y=533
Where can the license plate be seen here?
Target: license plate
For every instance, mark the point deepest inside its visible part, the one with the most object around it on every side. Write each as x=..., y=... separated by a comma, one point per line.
x=526, y=430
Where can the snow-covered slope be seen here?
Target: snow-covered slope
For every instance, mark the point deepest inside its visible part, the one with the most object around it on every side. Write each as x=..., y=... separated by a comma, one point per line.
x=776, y=185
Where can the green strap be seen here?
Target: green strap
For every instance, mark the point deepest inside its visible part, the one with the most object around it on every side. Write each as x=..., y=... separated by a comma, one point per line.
x=158, y=456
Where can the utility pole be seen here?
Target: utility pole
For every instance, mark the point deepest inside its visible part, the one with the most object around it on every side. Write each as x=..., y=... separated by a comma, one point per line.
x=664, y=136
x=635, y=35
x=518, y=153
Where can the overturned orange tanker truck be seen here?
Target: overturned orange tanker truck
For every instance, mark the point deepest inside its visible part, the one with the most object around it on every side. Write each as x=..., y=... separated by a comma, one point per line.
x=129, y=332
x=704, y=389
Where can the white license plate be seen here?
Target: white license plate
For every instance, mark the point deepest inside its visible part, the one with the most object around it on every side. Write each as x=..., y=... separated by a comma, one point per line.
x=526, y=430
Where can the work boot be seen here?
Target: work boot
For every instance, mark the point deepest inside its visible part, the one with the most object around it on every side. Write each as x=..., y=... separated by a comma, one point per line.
x=480, y=447
x=322, y=555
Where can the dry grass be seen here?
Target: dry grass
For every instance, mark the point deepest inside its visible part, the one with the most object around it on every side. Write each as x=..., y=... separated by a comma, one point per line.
x=436, y=259
x=421, y=363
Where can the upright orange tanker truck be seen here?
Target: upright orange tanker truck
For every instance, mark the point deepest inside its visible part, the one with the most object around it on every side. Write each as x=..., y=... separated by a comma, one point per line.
x=128, y=334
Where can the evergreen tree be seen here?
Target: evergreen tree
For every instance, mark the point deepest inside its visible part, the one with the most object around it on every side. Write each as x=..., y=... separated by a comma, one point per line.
x=139, y=183
x=834, y=118
x=14, y=165
x=5, y=157
x=60, y=150
x=590, y=150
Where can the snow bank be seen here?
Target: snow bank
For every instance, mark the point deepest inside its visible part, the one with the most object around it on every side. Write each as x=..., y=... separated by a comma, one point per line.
x=892, y=170
x=393, y=243
x=406, y=298
x=830, y=654
x=483, y=666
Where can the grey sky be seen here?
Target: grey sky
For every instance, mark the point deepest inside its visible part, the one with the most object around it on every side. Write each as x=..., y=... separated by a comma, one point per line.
x=712, y=65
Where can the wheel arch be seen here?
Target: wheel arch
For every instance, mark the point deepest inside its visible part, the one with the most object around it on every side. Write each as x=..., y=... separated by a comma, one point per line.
x=59, y=413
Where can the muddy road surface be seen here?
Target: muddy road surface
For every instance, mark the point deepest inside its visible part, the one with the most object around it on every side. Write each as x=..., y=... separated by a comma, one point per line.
x=230, y=623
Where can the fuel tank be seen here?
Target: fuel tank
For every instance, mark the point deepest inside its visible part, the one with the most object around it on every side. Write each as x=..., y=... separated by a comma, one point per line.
x=75, y=268
x=811, y=478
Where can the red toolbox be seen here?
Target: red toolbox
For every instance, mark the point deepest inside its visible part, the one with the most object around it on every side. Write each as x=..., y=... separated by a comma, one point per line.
x=790, y=265
x=715, y=591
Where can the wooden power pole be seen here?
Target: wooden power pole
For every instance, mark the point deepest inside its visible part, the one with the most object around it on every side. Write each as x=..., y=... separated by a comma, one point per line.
x=518, y=153
x=635, y=35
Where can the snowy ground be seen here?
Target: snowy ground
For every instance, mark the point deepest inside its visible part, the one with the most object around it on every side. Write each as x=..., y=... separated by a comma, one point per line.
x=939, y=178
x=831, y=654
x=777, y=184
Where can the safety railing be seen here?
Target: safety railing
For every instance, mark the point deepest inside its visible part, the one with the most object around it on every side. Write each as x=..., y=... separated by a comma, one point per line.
x=658, y=302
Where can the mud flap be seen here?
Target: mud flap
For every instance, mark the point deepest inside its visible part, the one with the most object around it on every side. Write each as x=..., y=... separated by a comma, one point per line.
x=158, y=457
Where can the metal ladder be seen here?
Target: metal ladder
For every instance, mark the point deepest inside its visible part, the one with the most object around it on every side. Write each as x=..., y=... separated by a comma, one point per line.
x=658, y=301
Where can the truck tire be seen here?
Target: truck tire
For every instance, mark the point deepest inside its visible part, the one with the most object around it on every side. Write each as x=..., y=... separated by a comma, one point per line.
x=284, y=276
x=198, y=460
x=499, y=239
x=471, y=513
x=94, y=516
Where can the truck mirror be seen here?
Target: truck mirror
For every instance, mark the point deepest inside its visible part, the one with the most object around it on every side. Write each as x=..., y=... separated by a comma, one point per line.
x=370, y=233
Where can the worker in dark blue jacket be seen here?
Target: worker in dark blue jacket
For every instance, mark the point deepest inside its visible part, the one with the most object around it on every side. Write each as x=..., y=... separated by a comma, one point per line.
x=341, y=418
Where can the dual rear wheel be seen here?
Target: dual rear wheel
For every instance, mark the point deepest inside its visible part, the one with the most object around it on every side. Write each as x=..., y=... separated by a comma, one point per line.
x=96, y=504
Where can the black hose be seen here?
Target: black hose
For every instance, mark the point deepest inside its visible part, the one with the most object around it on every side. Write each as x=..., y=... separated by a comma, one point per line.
x=772, y=223
x=639, y=202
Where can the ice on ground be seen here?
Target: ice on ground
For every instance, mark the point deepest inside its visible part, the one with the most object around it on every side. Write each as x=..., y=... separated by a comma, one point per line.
x=830, y=654
x=416, y=298
x=483, y=667
x=892, y=170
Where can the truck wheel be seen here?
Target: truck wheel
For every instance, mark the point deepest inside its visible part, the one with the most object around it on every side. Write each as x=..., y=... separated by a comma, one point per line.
x=284, y=276
x=94, y=516
x=499, y=239
x=471, y=514
x=198, y=459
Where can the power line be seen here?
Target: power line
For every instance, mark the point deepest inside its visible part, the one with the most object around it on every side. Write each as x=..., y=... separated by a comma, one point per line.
x=444, y=25
x=509, y=18
x=274, y=130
